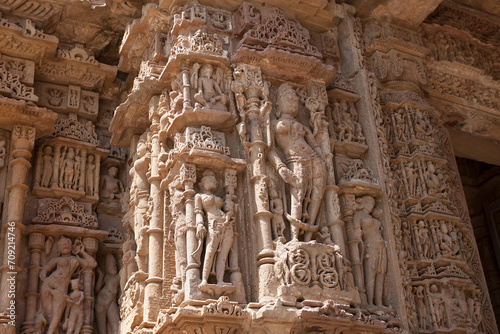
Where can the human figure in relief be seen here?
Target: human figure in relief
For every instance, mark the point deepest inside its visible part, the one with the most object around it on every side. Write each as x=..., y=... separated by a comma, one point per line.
x=89, y=175
x=74, y=309
x=54, y=288
x=111, y=187
x=106, y=306
x=209, y=91
x=178, y=229
x=219, y=234
x=140, y=194
x=374, y=249
x=304, y=170
x=68, y=169
x=47, y=166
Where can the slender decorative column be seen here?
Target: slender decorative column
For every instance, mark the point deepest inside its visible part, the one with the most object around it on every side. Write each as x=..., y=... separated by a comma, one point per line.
x=23, y=139
x=96, y=175
x=188, y=178
x=155, y=231
x=55, y=174
x=186, y=87
x=38, y=174
x=36, y=244
x=91, y=246
x=81, y=185
x=254, y=107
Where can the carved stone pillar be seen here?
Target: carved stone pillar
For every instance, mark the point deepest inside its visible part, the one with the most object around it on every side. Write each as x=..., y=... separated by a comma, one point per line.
x=188, y=178
x=91, y=246
x=81, y=185
x=36, y=244
x=57, y=157
x=254, y=107
x=23, y=139
x=155, y=231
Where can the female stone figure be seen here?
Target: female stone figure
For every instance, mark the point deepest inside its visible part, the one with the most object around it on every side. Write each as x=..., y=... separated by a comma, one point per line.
x=375, y=252
x=178, y=229
x=74, y=309
x=68, y=169
x=219, y=235
x=140, y=194
x=107, y=289
x=54, y=288
x=47, y=167
x=89, y=175
x=304, y=170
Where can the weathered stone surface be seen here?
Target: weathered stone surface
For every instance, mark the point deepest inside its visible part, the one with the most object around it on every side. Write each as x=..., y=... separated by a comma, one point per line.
x=248, y=167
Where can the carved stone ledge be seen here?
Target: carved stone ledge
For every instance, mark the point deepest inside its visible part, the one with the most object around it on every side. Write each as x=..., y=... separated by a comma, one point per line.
x=263, y=44
x=481, y=25
x=313, y=14
x=69, y=99
x=25, y=43
x=14, y=112
x=209, y=317
x=310, y=270
x=138, y=36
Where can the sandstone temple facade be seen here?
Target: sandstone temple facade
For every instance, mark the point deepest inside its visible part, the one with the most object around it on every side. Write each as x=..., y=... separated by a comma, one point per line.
x=228, y=166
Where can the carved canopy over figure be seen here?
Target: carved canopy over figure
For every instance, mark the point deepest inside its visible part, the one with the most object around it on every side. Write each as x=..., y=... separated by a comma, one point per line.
x=304, y=169
x=54, y=289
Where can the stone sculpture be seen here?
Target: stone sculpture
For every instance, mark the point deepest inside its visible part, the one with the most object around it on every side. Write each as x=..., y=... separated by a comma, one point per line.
x=74, y=308
x=264, y=140
x=3, y=153
x=214, y=226
x=374, y=250
x=107, y=288
x=111, y=187
x=304, y=172
x=60, y=269
x=208, y=90
x=47, y=168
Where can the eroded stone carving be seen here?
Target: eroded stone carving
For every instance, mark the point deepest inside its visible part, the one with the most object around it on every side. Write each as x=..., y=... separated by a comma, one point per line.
x=107, y=289
x=72, y=128
x=56, y=276
x=304, y=171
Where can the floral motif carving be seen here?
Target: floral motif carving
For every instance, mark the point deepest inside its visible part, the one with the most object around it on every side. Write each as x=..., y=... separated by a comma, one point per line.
x=70, y=127
x=66, y=212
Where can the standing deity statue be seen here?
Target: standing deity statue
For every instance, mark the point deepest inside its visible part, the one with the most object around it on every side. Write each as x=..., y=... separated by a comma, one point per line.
x=304, y=170
x=67, y=171
x=54, y=288
x=74, y=309
x=219, y=230
x=129, y=264
x=178, y=229
x=89, y=175
x=423, y=240
x=140, y=194
x=47, y=166
x=374, y=249
x=107, y=292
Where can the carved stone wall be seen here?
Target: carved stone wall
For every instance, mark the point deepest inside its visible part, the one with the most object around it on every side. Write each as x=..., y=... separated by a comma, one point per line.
x=242, y=167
